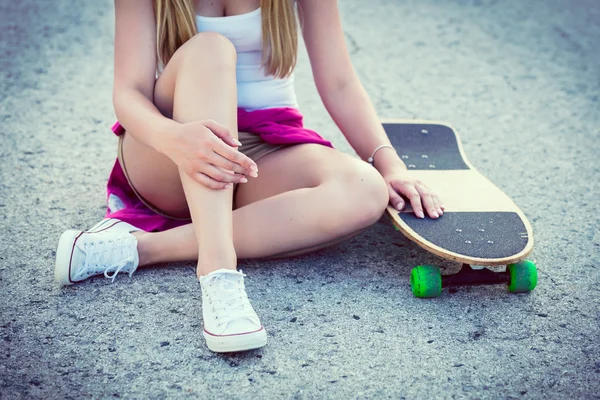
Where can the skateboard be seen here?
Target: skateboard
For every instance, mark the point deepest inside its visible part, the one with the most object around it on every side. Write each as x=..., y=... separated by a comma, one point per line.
x=481, y=225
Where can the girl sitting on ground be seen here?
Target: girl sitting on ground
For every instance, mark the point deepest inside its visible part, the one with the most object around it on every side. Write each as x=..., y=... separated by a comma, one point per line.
x=213, y=161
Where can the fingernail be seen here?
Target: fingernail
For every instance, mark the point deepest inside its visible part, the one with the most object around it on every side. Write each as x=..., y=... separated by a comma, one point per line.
x=229, y=186
x=243, y=180
x=420, y=214
x=254, y=174
x=399, y=206
x=254, y=168
x=440, y=211
x=237, y=142
x=435, y=214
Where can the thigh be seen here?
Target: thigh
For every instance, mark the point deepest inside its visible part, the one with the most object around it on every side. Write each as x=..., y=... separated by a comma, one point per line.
x=153, y=174
x=300, y=166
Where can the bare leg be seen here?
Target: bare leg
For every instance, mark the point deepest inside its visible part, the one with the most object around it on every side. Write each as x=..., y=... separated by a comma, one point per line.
x=202, y=86
x=334, y=199
x=306, y=196
x=203, y=91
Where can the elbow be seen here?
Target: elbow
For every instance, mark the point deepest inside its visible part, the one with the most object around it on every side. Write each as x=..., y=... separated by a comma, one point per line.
x=118, y=96
x=330, y=81
x=122, y=94
x=330, y=88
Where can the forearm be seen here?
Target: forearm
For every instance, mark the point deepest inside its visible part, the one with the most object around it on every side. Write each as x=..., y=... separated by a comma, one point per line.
x=141, y=118
x=353, y=112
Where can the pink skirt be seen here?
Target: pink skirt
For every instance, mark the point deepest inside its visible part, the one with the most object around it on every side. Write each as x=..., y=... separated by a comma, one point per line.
x=278, y=126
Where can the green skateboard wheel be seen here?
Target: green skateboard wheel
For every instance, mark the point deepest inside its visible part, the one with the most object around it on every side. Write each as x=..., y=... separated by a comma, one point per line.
x=523, y=277
x=426, y=281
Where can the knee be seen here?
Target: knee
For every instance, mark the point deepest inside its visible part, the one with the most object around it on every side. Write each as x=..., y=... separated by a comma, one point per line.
x=363, y=196
x=370, y=192
x=208, y=49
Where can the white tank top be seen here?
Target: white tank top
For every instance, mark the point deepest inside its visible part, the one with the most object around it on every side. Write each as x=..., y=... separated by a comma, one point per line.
x=254, y=90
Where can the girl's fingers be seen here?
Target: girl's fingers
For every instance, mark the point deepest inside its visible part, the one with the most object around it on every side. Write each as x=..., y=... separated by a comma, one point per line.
x=410, y=192
x=415, y=202
x=236, y=157
x=438, y=205
x=219, y=175
x=210, y=183
x=428, y=201
x=221, y=132
x=219, y=161
x=395, y=199
x=420, y=196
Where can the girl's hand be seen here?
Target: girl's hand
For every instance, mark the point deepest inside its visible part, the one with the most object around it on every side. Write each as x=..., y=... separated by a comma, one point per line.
x=208, y=153
x=420, y=196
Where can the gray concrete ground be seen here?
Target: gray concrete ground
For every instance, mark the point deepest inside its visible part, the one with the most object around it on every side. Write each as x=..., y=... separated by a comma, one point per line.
x=519, y=80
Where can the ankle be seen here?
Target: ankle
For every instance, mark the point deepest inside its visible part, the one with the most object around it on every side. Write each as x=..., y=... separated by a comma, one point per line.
x=205, y=268
x=200, y=272
x=144, y=247
x=212, y=259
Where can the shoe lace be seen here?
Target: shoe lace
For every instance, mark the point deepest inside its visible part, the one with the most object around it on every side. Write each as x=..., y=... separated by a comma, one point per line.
x=229, y=300
x=98, y=253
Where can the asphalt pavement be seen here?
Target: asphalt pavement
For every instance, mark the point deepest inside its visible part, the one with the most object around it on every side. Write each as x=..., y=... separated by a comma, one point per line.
x=520, y=80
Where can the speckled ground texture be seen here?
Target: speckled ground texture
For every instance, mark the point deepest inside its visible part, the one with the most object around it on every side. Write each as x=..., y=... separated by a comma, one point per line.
x=518, y=79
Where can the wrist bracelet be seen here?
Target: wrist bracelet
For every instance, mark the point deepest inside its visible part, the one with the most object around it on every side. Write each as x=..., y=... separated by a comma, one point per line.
x=371, y=160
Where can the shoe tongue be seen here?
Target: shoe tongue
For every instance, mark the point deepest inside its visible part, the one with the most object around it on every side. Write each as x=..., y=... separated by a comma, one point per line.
x=225, y=275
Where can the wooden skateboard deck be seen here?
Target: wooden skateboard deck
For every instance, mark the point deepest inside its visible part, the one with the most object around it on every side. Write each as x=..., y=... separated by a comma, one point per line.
x=481, y=225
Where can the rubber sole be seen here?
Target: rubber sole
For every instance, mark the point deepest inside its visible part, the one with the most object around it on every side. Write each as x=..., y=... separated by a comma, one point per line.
x=241, y=342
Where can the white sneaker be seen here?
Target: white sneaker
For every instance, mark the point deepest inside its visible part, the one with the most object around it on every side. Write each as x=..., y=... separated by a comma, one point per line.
x=107, y=247
x=230, y=323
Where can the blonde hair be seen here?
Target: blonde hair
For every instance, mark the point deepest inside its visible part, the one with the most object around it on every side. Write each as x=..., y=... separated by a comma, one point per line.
x=176, y=24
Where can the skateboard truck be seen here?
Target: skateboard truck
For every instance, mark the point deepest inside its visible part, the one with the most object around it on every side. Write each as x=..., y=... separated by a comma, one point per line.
x=427, y=280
